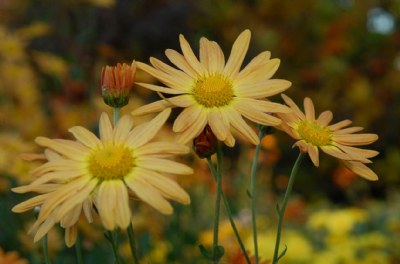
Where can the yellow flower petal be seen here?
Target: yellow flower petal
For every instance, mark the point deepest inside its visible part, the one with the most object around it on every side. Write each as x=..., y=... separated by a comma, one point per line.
x=149, y=194
x=154, y=107
x=179, y=61
x=84, y=136
x=138, y=137
x=186, y=118
x=238, y=52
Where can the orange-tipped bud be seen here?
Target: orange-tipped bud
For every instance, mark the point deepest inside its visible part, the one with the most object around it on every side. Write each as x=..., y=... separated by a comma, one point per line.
x=116, y=83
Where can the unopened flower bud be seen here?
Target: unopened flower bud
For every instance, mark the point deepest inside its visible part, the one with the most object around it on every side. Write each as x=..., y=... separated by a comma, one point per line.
x=205, y=144
x=116, y=83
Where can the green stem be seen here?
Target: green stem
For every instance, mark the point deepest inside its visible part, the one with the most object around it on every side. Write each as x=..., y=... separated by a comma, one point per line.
x=112, y=236
x=253, y=194
x=281, y=210
x=45, y=250
x=217, y=203
x=132, y=244
x=229, y=213
x=116, y=113
x=78, y=250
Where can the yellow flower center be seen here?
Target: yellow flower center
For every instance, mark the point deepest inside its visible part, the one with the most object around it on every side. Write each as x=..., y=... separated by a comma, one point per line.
x=111, y=162
x=314, y=133
x=213, y=90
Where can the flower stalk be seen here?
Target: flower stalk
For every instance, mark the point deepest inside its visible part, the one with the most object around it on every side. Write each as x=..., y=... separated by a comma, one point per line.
x=281, y=209
x=254, y=167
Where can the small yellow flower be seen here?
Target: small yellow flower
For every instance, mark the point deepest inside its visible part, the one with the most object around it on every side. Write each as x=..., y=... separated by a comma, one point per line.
x=103, y=172
x=216, y=92
x=116, y=83
x=336, y=140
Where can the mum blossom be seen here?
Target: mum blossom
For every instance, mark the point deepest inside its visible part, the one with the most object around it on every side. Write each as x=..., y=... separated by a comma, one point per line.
x=214, y=92
x=336, y=140
x=103, y=172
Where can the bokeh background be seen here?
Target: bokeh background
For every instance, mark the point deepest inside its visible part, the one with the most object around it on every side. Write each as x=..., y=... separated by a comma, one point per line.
x=343, y=54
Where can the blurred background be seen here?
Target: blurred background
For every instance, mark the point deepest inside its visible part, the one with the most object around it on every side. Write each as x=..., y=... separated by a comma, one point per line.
x=343, y=54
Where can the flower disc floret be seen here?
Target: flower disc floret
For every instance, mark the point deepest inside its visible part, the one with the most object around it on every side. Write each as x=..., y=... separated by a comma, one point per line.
x=213, y=91
x=315, y=134
x=111, y=162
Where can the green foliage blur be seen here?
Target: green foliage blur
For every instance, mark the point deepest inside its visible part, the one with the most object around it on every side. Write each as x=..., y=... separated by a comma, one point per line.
x=343, y=54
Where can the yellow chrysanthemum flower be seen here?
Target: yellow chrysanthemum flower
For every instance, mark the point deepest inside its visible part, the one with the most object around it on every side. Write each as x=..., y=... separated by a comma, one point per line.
x=214, y=92
x=103, y=172
x=336, y=140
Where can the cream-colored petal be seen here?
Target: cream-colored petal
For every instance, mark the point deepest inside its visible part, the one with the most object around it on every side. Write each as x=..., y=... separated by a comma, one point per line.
x=293, y=106
x=70, y=218
x=58, y=165
x=241, y=126
x=325, y=118
x=149, y=194
x=336, y=152
x=340, y=125
x=30, y=203
x=161, y=89
x=265, y=106
x=218, y=124
x=367, y=153
x=230, y=140
x=348, y=130
x=163, y=165
x=262, y=73
x=178, y=75
x=169, y=80
x=361, y=170
x=65, y=193
x=254, y=64
x=262, y=89
x=143, y=134
x=355, y=139
x=309, y=109
x=238, y=52
x=179, y=61
x=204, y=53
x=42, y=188
x=84, y=136
x=161, y=147
x=302, y=145
x=314, y=155
x=71, y=234
x=106, y=202
x=154, y=107
x=122, y=209
x=216, y=58
x=66, y=148
x=80, y=195
x=122, y=129
x=190, y=57
x=356, y=154
x=105, y=128
x=57, y=176
x=87, y=207
x=185, y=100
x=52, y=155
x=165, y=185
x=193, y=130
x=44, y=228
x=33, y=156
x=255, y=115
x=186, y=118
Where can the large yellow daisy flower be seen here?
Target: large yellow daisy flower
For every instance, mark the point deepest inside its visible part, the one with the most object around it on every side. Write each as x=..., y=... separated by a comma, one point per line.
x=214, y=92
x=104, y=171
x=336, y=140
